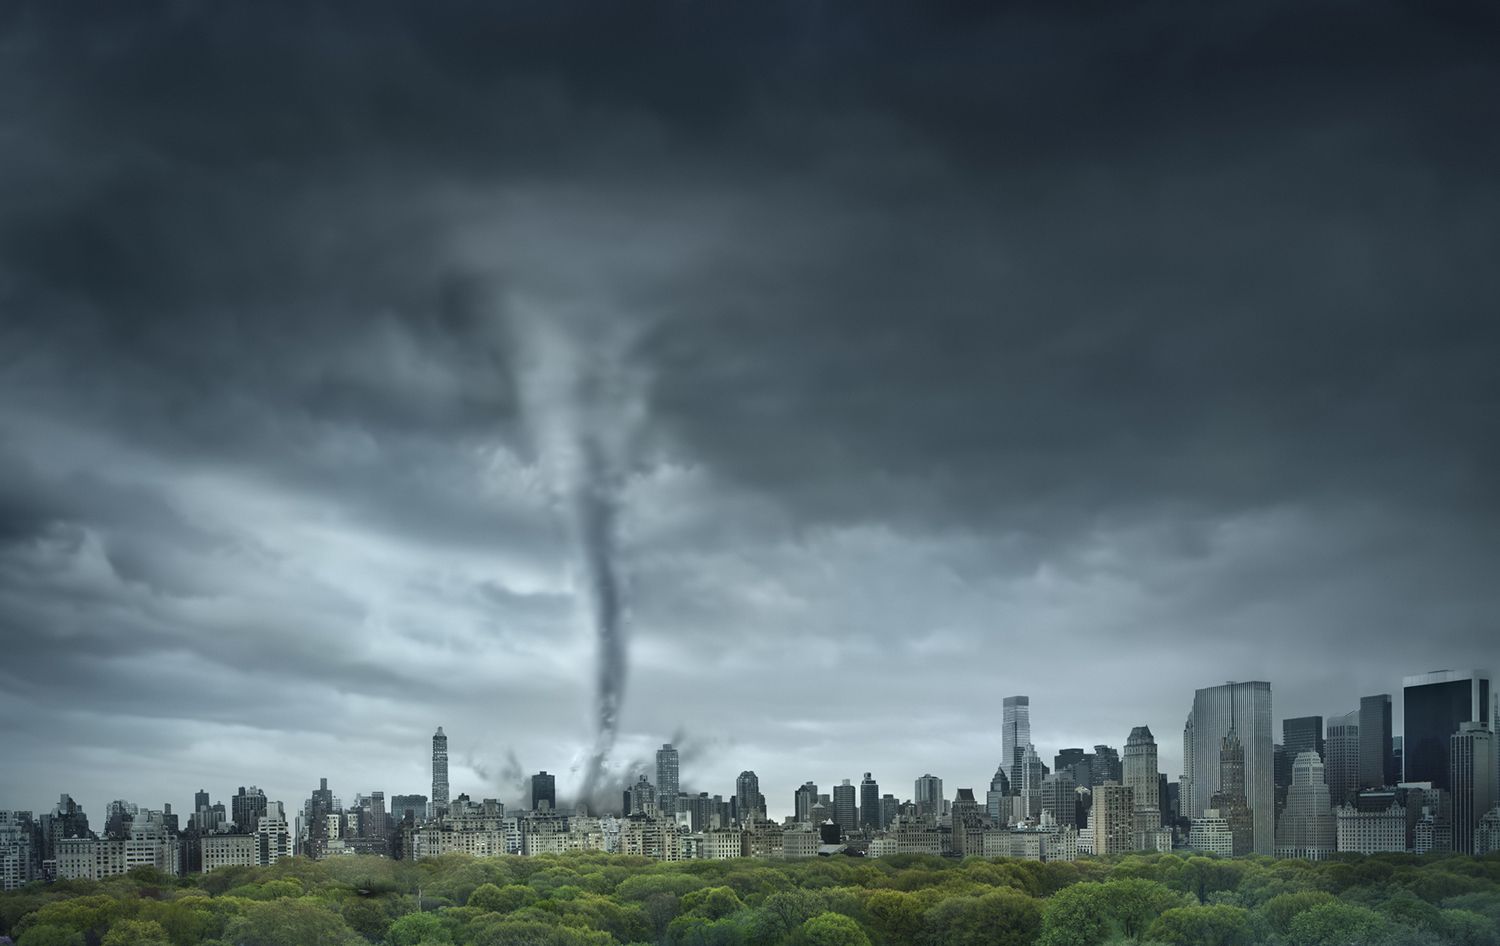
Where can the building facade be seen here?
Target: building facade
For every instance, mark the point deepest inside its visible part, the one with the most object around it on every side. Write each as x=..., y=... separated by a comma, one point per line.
x=667, y=772
x=1113, y=819
x=1142, y=776
x=439, y=773
x=1015, y=734
x=1342, y=761
x=1247, y=708
x=1434, y=706
x=1472, y=779
x=1377, y=758
x=1307, y=829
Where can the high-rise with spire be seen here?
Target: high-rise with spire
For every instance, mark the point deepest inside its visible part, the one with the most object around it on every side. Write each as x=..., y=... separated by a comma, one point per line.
x=1230, y=800
x=439, y=773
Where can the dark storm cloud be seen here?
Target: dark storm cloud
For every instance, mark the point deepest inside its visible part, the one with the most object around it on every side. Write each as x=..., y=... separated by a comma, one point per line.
x=963, y=331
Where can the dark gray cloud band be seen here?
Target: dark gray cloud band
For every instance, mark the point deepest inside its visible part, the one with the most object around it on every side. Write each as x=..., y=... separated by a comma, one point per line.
x=980, y=349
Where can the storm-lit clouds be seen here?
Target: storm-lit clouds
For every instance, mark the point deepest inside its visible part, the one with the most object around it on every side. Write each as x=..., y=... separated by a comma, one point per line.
x=977, y=353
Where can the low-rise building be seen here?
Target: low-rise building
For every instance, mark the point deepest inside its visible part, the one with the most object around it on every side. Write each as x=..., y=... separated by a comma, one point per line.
x=229, y=850
x=1371, y=832
x=1211, y=834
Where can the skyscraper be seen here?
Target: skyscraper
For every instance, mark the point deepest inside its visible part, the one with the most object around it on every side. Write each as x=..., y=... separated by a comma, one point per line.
x=1060, y=799
x=246, y=808
x=928, y=795
x=1472, y=755
x=1307, y=828
x=1187, y=799
x=1246, y=707
x=869, y=803
x=1230, y=800
x=1031, y=781
x=1105, y=763
x=1142, y=777
x=1377, y=762
x=439, y=773
x=749, y=802
x=1076, y=763
x=996, y=805
x=1434, y=705
x=543, y=792
x=803, y=800
x=844, y=814
x=1015, y=736
x=1302, y=734
x=1342, y=758
x=666, y=780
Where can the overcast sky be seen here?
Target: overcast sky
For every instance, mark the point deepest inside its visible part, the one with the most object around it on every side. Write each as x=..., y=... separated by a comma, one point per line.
x=1094, y=355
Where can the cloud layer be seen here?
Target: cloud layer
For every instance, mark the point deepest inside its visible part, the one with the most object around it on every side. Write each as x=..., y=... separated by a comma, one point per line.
x=1092, y=356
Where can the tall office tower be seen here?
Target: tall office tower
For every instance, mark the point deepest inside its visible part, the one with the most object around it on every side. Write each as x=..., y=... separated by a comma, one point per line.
x=439, y=773
x=844, y=813
x=1141, y=775
x=1342, y=757
x=1060, y=799
x=1434, y=706
x=869, y=803
x=201, y=800
x=1076, y=763
x=379, y=824
x=1377, y=765
x=1298, y=735
x=1015, y=736
x=246, y=808
x=1308, y=828
x=1247, y=708
x=543, y=791
x=1281, y=766
x=666, y=780
x=748, y=800
x=890, y=807
x=928, y=795
x=1031, y=769
x=1302, y=734
x=1230, y=800
x=1187, y=800
x=1113, y=819
x=1472, y=755
x=996, y=806
x=803, y=800
x=1106, y=766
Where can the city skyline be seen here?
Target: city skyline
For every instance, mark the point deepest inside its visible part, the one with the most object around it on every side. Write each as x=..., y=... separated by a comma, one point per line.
x=517, y=792
x=789, y=383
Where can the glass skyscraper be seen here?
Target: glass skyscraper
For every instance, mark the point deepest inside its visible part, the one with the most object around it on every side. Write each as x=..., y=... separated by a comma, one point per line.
x=1377, y=761
x=1434, y=706
x=1246, y=707
x=1016, y=735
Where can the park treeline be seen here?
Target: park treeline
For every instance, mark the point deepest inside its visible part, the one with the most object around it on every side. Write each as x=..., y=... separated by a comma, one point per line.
x=603, y=900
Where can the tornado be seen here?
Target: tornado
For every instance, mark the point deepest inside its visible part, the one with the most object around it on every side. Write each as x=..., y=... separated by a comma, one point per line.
x=597, y=510
x=583, y=405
